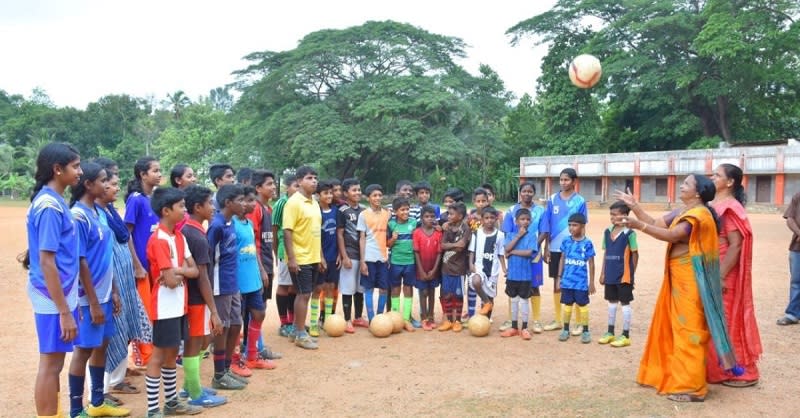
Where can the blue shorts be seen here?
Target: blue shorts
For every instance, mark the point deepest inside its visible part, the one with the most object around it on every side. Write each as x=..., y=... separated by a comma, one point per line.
x=48, y=329
x=331, y=275
x=572, y=296
x=452, y=285
x=403, y=275
x=91, y=335
x=253, y=300
x=427, y=284
x=377, y=276
x=537, y=276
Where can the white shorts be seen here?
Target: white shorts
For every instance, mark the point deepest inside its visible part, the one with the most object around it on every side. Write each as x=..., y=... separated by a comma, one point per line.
x=349, y=279
x=284, y=278
x=488, y=285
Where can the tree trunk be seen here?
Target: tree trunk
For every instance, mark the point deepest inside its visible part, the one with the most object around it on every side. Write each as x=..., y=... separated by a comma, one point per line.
x=722, y=118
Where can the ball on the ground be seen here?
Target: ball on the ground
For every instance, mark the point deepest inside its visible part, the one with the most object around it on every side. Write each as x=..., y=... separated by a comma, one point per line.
x=397, y=321
x=381, y=326
x=585, y=71
x=479, y=325
x=334, y=325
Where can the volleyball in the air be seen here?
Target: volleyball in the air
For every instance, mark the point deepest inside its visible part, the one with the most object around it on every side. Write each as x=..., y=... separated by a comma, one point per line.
x=585, y=71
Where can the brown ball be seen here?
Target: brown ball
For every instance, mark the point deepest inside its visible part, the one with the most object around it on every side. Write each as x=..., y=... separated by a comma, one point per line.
x=334, y=325
x=479, y=325
x=397, y=321
x=381, y=326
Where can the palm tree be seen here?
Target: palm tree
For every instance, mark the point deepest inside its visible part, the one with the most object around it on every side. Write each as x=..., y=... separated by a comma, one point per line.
x=177, y=101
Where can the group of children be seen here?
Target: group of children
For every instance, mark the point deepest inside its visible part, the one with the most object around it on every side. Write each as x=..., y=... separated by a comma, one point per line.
x=206, y=288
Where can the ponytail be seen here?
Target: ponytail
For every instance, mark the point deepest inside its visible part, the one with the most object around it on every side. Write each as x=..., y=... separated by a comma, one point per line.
x=135, y=184
x=705, y=188
x=735, y=173
x=54, y=153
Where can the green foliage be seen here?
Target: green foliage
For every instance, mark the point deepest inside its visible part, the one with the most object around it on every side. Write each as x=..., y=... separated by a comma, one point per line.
x=705, y=143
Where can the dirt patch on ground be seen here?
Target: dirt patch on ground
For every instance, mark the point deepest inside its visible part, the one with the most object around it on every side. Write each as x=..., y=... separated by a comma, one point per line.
x=448, y=374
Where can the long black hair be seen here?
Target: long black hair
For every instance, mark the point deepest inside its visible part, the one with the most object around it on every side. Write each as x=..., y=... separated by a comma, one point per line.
x=135, y=184
x=51, y=154
x=706, y=190
x=177, y=172
x=735, y=173
x=91, y=172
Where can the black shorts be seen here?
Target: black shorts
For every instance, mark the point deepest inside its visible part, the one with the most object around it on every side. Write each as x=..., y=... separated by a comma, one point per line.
x=267, y=290
x=622, y=292
x=574, y=296
x=168, y=333
x=331, y=274
x=522, y=289
x=306, y=279
x=552, y=266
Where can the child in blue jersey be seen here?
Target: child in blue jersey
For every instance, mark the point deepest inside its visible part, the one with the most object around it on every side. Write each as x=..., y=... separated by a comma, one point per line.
x=576, y=275
x=52, y=261
x=98, y=300
x=402, y=271
x=619, y=266
x=520, y=246
x=142, y=221
x=329, y=266
x=560, y=206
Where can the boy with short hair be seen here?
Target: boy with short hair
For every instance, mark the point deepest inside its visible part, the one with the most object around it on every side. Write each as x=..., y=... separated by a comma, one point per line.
x=338, y=193
x=402, y=271
x=347, y=237
x=202, y=315
x=372, y=250
x=221, y=174
x=223, y=267
x=577, y=263
x=423, y=191
x=520, y=245
x=486, y=258
x=480, y=198
x=619, y=266
x=456, y=237
x=451, y=195
x=302, y=227
x=285, y=294
x=427, y=241
x=171, y=263
x=329, y=267
x=491, y=196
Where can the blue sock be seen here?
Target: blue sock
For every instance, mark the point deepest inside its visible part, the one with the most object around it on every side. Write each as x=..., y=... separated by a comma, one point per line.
x=260, y=343
x=76, y=394
x=96, y=377
x=381, y=302
x=471, y=297
x=368, y=295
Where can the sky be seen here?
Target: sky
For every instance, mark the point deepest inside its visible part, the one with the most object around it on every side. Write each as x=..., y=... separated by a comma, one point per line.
x=81, y=50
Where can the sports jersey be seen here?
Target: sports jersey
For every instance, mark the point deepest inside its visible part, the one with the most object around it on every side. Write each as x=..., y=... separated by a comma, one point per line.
x=537, y=217
x=556, y=217
x=403, y=249
x=488, y=248
x=302, y=216
x=454, y=263
x=374, y=224
x=519, y=267
x=575, y=256
x=248, y=276
x=139, y=213
x=166, y=250
x=261, y=217
x=51, y=228
x=347, y=220
x=196, y=240
x=618, y=261
x=429, y=247
x=329, y=246
x=224, y=256
x=277, y=222
x=96, y=247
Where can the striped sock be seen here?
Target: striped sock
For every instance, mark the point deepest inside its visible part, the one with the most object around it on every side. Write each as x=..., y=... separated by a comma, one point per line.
x=314, y=311
x=328, y=306
x=170, y=379
x=219, y=362
x=472, y=296
x=153, y=385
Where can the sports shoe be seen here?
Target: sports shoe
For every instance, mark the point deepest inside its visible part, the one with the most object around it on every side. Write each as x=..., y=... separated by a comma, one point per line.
x=305, y=341
x=155, y=414
x=486, y=308
x=606, y=338
x=268, y=354
x=227, y=382
x=106, y=410
x=313, y=331
x=238, y=378
x=240, y=369
x=576, y=330
x=553, y=326
x=446, y=325
x=260, y=364
x=349, y=328
x=621, y=341
x=506, y=325
x=525, y=334
x=457, y=327
x=184, y=394
x=408, y=327
x=564, y=336
x=427, y=325
x=586, y=338
x=292, y=336
x=415, y=323
x=537, y=327
x=209, y=401
x=361, y=322
x=284, y=330
x=181, y=408
x=511, y=332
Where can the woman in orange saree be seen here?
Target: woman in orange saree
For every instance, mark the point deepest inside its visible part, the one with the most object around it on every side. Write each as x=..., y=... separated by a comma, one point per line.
x=736, y=253
x=688, y=310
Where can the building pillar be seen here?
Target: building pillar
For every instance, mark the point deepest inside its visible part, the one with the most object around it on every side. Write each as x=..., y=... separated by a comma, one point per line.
x=637, y=180
x=671, y=189
x=779, y=178
x=604, y=189
x=548, y=186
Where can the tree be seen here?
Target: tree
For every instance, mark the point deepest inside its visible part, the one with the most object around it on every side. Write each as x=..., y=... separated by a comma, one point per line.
x=177, y=101
x=220, y=99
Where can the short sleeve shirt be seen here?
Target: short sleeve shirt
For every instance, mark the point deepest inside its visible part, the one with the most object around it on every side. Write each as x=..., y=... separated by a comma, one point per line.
x=166, y=250
x=96, y=247
x=576, y=255
x=224, y=256
x=347, y=220
x=793, y=212
x=248, y=274
x=519, y=267
x=197, y=242
x=261, y=217
x=454, y=263
x=556, y=217
x=488, y=249
x=139, y=214
x=302, y=216
x=403, y=248
x=429, y=247
x=329, y=246
x=617, y=257
x=277, y=222
x=374, y=225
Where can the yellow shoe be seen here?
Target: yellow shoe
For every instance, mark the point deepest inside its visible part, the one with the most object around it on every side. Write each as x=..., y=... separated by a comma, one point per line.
x=107, y=410
x=621, y=341
x=445, y=326
x=457, y=327
x=606, y=338
x=486, y=308
x=553, y=326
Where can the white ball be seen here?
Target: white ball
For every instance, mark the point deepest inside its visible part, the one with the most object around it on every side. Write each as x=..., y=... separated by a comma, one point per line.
x=585, y=71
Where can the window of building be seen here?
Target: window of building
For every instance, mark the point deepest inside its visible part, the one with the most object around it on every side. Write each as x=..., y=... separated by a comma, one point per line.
x=661, y=187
